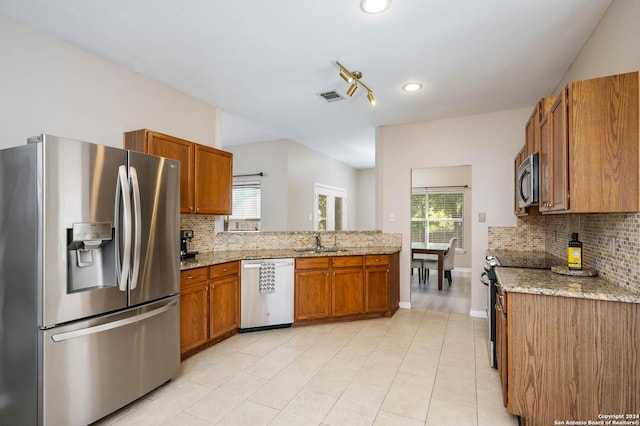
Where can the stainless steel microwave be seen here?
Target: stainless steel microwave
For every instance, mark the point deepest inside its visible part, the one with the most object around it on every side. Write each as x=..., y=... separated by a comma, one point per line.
x=528, y=181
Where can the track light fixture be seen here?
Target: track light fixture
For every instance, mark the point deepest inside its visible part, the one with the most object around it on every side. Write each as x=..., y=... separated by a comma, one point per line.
x=354, y=77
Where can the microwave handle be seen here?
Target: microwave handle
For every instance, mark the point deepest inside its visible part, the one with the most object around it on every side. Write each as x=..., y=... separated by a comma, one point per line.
x=522, y=176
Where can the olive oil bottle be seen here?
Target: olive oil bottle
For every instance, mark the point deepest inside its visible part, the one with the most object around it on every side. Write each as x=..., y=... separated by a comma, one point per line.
x=574, y=253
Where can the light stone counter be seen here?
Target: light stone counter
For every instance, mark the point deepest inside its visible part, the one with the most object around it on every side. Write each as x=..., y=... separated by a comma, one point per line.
x=217, y=257
x=543, y=281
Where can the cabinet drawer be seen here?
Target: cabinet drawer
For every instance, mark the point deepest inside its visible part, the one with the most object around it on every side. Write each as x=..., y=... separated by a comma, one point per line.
x=377, y=259
x=224, y=270
x=191, y=276
x=312, y=263
x=346, y=261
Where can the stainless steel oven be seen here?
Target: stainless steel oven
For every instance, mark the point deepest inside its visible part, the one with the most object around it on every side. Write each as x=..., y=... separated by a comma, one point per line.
x=489, y=279
x=528, y=181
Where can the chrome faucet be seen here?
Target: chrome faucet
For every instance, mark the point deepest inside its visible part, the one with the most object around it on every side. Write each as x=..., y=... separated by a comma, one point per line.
x=319, y=245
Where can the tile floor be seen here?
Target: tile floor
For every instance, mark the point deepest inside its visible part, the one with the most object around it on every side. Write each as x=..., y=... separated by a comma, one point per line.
x=420, y=367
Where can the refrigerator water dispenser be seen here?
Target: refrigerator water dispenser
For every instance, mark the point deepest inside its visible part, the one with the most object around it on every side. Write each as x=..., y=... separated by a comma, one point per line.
x=90, y=256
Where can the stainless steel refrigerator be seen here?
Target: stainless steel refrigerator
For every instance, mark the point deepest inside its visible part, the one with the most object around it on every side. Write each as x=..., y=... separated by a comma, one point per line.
x=89, y=279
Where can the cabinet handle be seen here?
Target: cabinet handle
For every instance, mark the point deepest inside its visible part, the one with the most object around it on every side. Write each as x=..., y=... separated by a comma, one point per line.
x=191, y=208
x=225, y=270
x=498, y=308
x=189, y=277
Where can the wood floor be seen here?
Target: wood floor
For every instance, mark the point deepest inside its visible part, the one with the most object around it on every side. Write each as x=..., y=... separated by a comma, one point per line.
x=455, y=298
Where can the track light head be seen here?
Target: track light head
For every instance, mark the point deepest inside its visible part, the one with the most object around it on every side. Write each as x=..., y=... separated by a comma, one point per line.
x=372, y=99
x=352, y=89
x=346, y=75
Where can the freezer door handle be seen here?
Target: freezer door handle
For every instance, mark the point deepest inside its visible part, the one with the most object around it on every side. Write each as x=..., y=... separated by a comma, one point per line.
x=137, y=212
x=122, y=193
x=60, y=337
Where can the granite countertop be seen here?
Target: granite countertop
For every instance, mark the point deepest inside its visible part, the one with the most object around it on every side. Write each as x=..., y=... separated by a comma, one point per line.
x=546, y=282
x=217, y=257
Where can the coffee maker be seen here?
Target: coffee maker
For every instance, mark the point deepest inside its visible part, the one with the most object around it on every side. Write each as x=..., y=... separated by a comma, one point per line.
x=186, y=235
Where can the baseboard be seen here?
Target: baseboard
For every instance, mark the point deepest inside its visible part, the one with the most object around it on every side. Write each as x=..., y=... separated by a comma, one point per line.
x=478, y=314
x=405, y=305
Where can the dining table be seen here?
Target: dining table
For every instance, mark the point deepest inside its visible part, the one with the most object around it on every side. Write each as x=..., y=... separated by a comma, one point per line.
x=438, y=249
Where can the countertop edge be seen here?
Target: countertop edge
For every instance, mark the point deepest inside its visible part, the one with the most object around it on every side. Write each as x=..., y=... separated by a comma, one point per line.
x=218, y=257
x=545, y=282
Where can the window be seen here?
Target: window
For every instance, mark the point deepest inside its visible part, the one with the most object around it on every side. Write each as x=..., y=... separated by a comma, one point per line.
x=245, y=214
x=436, y=217
x=330, y=212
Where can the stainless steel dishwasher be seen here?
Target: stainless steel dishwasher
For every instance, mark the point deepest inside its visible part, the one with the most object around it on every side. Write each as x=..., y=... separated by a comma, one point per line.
x=272, y=308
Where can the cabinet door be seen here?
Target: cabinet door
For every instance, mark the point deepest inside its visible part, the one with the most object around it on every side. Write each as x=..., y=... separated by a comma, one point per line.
x=224, y=302
x=213, y=180
x=194, y=315
x=376, y=290
x=181, y=150
x=545, y=166
x=559, y=186
x=312, y=293
x=501, y=345
x=346, y=292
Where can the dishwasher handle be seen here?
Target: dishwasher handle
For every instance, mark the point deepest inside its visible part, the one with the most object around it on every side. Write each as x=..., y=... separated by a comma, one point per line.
x=257, y=265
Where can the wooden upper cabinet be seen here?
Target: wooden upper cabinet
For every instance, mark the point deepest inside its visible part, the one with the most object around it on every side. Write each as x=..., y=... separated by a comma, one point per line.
x=205, y=172
x=213, y=180
x=593, y=147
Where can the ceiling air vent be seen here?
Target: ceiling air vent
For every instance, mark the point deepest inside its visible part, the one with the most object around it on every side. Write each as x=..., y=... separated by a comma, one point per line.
x=331, y=96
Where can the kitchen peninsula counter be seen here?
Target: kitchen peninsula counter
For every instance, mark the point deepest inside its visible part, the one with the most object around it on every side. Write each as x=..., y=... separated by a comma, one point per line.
x=546, y=282
x=223, y=256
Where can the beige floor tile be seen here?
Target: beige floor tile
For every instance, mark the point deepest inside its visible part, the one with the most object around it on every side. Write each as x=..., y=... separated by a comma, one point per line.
x=395, y=344
x=456, y=354
x=215, y=375
x=421, y=360
x=409, y=396
x=249, y=413
x=449, y=413
x=306, y=409
x=283, y=388
x=456, y=385
x=379, y=369
x=184, y=419
x=269, y=365
x=315, y=358
x=243, y=384
x=358, y=405
x=215, y=405
x=487, y=378
x=334, y=378
x=269, y=340
x=429, y=337
x=491, y=411
x=390, y=419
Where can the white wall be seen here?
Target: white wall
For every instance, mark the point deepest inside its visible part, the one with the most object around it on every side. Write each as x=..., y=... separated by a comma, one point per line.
x=366, y=200
x=291, y=171
x=271, y=159
x=612, y=48
x=49, y=86
x=487, y=142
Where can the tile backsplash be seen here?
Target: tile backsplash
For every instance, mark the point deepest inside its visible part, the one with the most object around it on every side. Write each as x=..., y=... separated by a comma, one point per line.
x=205, y=238
x=611, y=242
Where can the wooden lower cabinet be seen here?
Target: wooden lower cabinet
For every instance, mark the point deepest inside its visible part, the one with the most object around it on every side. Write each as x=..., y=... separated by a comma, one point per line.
x=209, y=306
x=571, y=358
x=376, y=283
x=346, y=287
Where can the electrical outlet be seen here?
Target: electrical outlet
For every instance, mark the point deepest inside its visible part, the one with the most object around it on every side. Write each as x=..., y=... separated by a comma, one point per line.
x=482, y=217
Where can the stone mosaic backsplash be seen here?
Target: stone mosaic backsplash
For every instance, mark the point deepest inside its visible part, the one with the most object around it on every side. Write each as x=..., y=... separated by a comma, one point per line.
x=206, y=240
x=610, y=242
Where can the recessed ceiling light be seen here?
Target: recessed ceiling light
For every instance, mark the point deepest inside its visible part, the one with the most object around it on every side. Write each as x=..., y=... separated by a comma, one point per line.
x=374, y=6
x=412, y=87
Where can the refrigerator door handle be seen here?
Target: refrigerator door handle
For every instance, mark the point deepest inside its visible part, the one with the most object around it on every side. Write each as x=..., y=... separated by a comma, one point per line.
x=122, y=192
x=137, y=211
x=60, y=337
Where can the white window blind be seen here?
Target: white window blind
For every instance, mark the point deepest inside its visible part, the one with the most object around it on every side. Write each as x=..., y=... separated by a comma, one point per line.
x=246, y=201
x=436, y=217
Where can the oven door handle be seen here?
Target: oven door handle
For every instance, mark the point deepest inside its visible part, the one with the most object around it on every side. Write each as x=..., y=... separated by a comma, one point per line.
x=484, y=278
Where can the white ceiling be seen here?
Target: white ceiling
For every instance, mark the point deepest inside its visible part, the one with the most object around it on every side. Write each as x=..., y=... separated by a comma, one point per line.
x=265, y=62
